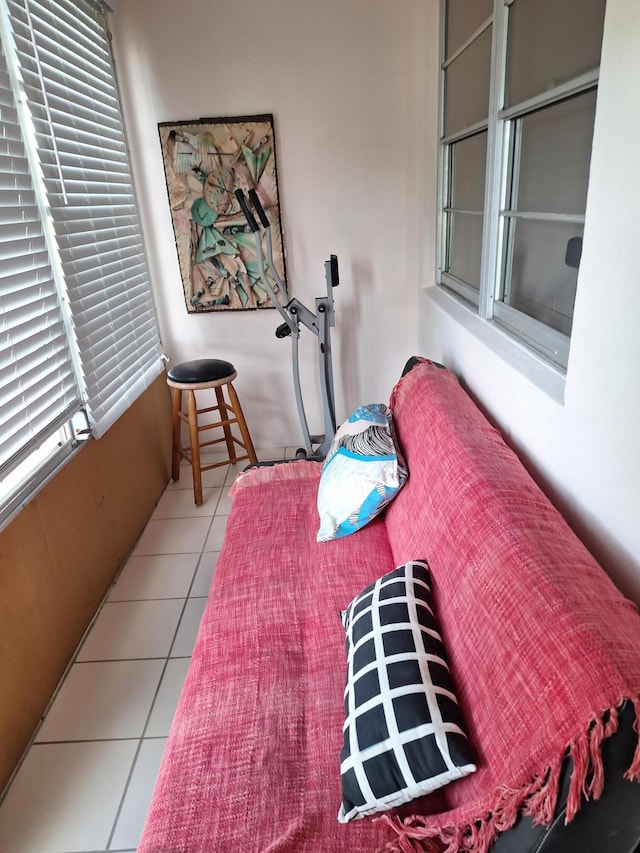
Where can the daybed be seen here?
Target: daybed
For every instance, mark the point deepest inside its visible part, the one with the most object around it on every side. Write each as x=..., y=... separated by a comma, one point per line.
x=544, y=655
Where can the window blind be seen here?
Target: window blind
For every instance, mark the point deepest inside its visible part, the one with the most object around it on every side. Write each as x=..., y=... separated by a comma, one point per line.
x=66, y=65
x=38, y=388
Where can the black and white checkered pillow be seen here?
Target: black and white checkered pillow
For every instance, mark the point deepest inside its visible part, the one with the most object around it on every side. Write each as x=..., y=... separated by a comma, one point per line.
x=403, y=733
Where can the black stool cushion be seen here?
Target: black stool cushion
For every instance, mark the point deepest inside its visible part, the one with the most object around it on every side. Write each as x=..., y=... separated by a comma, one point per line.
x=201, y=370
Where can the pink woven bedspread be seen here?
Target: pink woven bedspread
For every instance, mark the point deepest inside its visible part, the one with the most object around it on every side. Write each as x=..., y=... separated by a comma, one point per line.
x=542, y=646
x=540, y=643
x=253, y=758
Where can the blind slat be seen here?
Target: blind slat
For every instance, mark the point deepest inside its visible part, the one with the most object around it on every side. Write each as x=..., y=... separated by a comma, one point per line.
x=66, y=72
x=38, y=388
x=82, y=147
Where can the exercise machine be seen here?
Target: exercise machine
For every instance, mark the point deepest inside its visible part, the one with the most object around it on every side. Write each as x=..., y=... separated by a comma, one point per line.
x=295, y=315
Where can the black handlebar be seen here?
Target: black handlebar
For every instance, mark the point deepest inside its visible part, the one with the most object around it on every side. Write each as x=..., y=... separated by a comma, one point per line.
x=283, y=330
x=255, y=201
x=331, y=271
x=259, y=209
x=246, y=210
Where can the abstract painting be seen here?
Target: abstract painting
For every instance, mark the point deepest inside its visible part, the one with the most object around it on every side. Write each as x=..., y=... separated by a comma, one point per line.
x=205, y=161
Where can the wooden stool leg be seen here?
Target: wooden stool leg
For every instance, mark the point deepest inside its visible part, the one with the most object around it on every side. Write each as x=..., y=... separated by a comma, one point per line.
x=194, y=441
x=224, y=416
x=244, y=430
x=175, y=453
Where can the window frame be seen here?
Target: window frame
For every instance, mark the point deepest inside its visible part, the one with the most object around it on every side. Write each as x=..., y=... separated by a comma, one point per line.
x=133, y=349
x=500, y=126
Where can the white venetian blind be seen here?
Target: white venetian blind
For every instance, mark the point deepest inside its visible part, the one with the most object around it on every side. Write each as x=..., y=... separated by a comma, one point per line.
x=66, y=64
x=38, y=389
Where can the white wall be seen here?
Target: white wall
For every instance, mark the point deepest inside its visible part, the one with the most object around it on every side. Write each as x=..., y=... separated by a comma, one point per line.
x=583, y=444
x=343, y=80
x=353, y=87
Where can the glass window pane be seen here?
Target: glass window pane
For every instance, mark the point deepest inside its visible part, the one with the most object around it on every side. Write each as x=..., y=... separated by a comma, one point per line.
x=463, y=19
x=551, y=42
x=467, y=86
x=543, y=278
x=555, y=152
x=464, y=253
x=467, y=168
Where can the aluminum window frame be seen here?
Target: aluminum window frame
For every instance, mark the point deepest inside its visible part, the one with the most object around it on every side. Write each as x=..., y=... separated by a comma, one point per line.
x=128, y=357
x=500, y=180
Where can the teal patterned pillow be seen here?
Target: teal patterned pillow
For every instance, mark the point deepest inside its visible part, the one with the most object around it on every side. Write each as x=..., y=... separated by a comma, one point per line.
x=362, y=473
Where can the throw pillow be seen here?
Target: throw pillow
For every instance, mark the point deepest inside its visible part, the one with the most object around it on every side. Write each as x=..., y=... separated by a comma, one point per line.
x=362, y=472
x=403, y=734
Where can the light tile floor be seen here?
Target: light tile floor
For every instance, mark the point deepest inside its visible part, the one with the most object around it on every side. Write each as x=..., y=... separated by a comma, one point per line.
x=85, y=783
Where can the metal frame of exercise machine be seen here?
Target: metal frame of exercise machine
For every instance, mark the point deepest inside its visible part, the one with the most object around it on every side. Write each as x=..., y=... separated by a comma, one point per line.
x=295, y=315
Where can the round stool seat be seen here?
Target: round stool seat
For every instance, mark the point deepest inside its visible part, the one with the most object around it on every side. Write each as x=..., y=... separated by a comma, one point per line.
x=201, y=370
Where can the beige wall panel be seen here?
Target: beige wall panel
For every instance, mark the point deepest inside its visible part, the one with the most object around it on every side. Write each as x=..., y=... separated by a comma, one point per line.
x=59, y=556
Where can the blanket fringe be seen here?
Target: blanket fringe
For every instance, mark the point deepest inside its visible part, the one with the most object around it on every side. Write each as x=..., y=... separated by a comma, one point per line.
x=579, y=752
x=587, y=779
x=415, y=838
x=541, y=803
x=537, y=799
x=633, y=773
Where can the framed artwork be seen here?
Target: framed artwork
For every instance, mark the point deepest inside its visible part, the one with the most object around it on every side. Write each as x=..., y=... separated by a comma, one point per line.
x=205, y=161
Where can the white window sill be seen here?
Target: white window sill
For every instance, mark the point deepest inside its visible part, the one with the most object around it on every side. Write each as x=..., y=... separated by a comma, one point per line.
x=541, y=373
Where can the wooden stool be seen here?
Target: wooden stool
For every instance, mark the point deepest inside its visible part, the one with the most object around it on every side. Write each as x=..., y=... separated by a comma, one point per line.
x=198, y=375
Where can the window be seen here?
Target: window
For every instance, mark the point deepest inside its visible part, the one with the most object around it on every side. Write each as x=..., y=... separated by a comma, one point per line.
x=78, y=332
x=519, y=81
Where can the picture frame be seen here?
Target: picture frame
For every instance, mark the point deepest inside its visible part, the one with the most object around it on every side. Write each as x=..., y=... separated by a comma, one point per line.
x=205, y=161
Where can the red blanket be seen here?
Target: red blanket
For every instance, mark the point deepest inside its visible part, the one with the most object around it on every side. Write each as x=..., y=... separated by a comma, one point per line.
x=253, y=758
x=541, y=646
